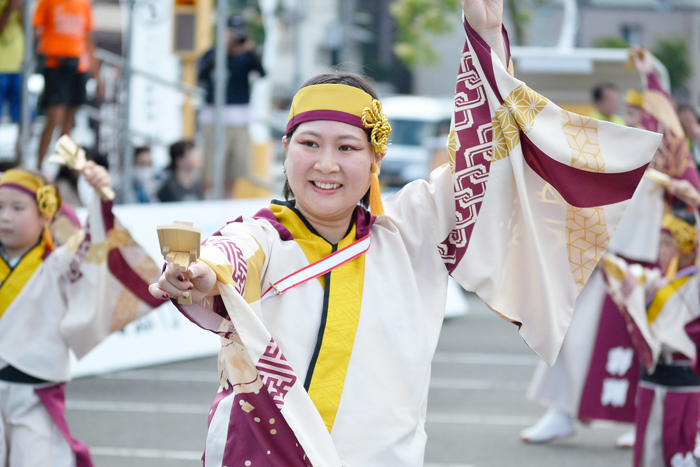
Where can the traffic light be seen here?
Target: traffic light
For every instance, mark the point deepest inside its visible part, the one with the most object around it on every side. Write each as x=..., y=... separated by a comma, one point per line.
x=192, y=28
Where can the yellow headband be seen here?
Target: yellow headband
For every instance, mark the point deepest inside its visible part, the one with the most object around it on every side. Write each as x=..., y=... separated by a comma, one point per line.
x=345, y=104
x=684, y=234
x=46, y=196
x=634, y=98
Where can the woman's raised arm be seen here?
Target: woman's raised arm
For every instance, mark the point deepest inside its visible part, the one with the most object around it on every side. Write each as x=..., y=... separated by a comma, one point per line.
x=486, y=18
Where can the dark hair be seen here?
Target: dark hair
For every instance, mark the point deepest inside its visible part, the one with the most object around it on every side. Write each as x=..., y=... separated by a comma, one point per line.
x=138, y=150
x=686, y=106
x=684, y=214
x=97, y=157
x=348, y=79
x=178, y=151
x=597, y=92
x=7, y=165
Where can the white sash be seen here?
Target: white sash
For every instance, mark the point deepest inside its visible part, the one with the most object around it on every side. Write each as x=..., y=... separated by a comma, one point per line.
x=319, y=268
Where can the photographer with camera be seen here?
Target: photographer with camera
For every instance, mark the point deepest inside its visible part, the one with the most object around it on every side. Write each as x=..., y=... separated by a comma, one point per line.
x=241, y=61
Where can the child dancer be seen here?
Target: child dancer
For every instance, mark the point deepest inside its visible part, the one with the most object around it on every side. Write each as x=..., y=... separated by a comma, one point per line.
x=53, y=298
x=657, y=309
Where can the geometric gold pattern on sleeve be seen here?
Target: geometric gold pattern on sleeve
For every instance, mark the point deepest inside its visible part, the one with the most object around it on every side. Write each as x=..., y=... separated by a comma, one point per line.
x=586, y=239
x=506, y=135
x=126, y=310
x=115, y=238
x=452, y=148
x=524, y=104
x=582, y=136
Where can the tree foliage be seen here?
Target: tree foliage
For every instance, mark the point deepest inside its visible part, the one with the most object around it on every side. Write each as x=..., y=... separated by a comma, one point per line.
x=416, y=22
x=610, y=42
x=673, y=53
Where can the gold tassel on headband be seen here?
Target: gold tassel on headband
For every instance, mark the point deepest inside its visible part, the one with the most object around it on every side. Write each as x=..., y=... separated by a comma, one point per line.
x=672, y=268
x=373, y=117
x=375, y=193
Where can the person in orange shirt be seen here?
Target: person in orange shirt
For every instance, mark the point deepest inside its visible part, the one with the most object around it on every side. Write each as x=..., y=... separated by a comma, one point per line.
x=64, y=30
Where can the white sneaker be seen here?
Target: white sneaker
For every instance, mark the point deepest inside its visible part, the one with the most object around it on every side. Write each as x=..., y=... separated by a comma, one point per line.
x=627, y=440
x=553, y=425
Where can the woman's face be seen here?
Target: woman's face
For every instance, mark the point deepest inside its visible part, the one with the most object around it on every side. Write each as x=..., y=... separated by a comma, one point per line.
x=667, y=250
x=328, y=168
x=633, y=116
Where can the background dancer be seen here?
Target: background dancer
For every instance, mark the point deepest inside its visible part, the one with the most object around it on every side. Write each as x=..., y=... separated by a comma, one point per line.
x=580, y=384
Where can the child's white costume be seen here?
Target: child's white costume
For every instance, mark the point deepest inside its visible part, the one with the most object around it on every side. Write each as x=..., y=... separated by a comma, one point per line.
x=657, y=310
x=53, y=300
x=335, y=370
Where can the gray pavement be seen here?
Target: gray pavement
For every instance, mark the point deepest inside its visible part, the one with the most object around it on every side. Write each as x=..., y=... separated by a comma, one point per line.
x=157, y=416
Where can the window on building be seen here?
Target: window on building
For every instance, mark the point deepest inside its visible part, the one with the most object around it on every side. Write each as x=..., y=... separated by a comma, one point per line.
x=632, y=34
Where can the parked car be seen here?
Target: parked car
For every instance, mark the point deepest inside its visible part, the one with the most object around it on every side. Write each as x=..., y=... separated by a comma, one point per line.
x=420, y=126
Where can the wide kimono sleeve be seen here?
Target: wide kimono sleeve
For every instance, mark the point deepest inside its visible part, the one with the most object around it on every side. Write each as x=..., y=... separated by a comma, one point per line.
x=530, y=198
x=107, y=276
x=673, y=156
x=257, y=382
x=630, y=286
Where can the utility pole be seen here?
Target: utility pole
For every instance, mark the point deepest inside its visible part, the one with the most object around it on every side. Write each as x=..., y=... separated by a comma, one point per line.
x=27, y=70
x=128, y=195
x=220, y=80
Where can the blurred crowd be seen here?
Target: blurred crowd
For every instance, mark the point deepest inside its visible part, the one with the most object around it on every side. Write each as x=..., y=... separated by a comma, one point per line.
x=66, y=59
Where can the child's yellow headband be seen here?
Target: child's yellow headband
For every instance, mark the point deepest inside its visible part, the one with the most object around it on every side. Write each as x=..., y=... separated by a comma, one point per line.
x=46, y=196
x=345, y=104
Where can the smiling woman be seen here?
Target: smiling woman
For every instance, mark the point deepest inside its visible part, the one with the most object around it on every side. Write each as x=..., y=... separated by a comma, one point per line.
x=329, y=313
x=328, y=162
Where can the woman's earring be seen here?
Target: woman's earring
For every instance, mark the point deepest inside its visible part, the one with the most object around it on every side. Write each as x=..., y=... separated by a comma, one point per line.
x=284, y=169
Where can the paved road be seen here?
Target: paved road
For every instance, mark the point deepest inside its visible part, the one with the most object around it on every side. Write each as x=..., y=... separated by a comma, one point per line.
x=156, y=416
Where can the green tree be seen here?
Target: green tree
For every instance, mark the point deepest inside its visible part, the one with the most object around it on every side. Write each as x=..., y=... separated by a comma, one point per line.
x=673, y=53
x=520, y=12
x=418, y=21
x=610, y=42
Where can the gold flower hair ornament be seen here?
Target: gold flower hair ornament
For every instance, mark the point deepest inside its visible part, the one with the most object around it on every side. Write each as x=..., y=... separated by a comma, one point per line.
x=48, y=200
x=684, y=235
x=375, y=119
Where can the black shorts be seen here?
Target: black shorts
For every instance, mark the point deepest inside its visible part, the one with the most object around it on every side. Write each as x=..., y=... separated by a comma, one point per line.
x=63, y=87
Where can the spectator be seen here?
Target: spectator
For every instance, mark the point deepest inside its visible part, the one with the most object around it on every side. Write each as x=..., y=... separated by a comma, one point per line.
x=11, y=56
x=64, y=29
x=144, y=179
x=606, y=102
x=241, y=61
x=182, y=183
x=691, y=128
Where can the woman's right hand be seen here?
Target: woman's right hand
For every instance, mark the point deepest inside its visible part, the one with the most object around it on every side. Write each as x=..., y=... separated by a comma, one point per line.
x=200, y=282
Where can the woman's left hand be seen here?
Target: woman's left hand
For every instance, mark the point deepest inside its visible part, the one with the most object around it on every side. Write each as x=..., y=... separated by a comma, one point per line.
x=486, y=17
x=96, y=175
x=642, y=60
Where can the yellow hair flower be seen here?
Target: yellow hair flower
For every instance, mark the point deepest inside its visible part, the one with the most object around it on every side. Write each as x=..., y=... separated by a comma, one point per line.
x=373, y=117
x=684, y=234
x=48, y=201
